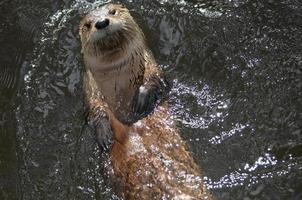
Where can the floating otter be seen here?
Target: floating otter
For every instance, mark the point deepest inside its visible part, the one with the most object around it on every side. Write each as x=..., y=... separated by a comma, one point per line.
x=124, y=92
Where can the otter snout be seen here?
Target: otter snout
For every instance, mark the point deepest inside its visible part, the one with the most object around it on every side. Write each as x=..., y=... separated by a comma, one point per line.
x=102, y=24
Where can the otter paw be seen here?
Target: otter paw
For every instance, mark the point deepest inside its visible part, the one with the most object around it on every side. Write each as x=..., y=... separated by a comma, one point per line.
x=102, y=128
x=144, y=101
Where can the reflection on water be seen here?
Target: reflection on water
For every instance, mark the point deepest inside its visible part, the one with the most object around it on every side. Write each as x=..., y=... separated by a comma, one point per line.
x=237, y=87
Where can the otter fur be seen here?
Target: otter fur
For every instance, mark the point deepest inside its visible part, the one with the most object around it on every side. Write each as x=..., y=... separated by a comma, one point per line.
x=124, y=93
x=121, y=64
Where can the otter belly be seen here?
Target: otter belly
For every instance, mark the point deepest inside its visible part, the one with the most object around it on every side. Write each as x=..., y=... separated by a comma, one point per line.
x=153, y=162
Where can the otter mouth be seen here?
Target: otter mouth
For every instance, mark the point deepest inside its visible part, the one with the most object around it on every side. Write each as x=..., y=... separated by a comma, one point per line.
x=99, y=35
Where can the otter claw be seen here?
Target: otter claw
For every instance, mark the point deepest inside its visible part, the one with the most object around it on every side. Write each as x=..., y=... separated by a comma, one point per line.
x=144, y=101
x=103, y=131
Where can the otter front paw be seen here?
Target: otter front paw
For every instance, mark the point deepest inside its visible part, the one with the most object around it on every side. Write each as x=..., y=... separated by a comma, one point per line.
x=144, y=101
x=100, y=123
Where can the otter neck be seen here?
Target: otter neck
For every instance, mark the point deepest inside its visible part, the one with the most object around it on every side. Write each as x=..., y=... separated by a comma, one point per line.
x=118, y=75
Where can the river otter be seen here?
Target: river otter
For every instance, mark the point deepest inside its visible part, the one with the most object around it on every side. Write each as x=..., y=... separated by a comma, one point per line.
x=123, y=68
x=123, y=86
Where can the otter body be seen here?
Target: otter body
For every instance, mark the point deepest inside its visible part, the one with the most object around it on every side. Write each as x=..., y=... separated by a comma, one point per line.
x=152, y=162
x=120, y=63
x=123, y=86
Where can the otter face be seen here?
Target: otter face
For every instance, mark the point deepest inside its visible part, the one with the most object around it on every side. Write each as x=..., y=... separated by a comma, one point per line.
x=106, y=28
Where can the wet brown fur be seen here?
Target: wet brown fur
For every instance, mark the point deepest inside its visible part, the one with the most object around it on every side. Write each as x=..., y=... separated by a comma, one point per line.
x=150, y=159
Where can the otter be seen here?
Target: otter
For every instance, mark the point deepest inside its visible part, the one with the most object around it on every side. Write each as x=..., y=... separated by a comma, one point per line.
x=123, y=68
x=125, y=94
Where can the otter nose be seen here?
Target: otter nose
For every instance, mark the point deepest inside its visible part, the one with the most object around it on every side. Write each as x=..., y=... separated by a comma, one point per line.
x=102, y=24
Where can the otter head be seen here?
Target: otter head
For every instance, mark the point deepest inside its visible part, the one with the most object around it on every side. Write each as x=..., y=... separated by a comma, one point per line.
x=109, y=29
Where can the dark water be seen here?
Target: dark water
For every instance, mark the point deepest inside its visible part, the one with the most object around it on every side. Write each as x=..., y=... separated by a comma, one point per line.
x=236, y=68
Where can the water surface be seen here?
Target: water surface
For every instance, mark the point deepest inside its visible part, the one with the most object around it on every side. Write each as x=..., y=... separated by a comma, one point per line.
x=236, y=68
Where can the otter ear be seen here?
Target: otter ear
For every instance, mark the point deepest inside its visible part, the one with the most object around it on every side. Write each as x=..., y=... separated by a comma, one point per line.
x=82, y=12
x=121, y=5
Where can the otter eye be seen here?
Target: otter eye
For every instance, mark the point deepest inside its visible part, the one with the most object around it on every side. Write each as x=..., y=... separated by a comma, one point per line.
x=87, y=25
x=112, y=12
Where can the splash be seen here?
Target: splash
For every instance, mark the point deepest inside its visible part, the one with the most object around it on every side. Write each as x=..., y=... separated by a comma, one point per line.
x=203, y=98
x=250, y=174
x=228, y=134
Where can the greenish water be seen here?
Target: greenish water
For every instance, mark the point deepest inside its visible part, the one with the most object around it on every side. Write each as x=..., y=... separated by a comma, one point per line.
x=236, y=68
